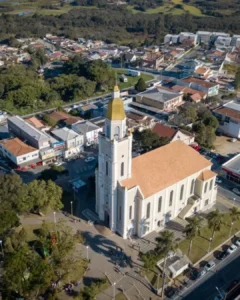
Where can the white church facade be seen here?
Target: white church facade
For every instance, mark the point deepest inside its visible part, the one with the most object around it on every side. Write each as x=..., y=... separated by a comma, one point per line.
x=135, y=196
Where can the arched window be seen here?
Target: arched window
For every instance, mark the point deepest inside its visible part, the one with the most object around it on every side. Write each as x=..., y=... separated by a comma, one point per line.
x=205, y=188
x=148, y=210
x=116, y=132
x=171, y=198
x=130, y=212
x=211, y=184
x=181, y=192
x=106, y=168
x=122, y=169
x=159, y=204
x=192, y=186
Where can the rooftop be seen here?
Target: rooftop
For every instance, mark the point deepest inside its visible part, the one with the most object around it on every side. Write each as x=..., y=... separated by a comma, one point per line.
x=206, y=175
x=228, y=112
x=159, y=94
x=201, y=82
x=85, y=126
x=164, y=167
x=233, y=164
x=65, y=134
x=17, y=147
x=28, y=128
x=35, y=122
x=164, y=131
x=62, y=116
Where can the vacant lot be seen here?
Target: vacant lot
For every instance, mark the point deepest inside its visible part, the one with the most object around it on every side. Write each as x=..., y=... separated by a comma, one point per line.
x=225, y=147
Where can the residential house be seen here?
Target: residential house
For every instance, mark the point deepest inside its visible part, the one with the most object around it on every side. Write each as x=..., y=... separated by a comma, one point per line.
x=88, y=111
x=173, y=134
x=130, y=57
x=188, y=36
x=64, y=119
x=89, y=131
x=73, y=141
x=202, y=72
x=139, y=122
x=152, y=60
x=35, y=122
x=26, y=132
x=189, y=93
x=161, y=98
x=211, y=88
x=19, y=152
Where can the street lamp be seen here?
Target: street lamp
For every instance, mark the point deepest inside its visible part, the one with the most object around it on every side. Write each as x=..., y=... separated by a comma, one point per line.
x=2, y=248
x=87, y=252
x=210, y=240
x=71, y=208
x=114, y=292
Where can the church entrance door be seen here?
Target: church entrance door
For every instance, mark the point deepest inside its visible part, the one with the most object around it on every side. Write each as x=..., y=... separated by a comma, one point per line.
x=106, y=218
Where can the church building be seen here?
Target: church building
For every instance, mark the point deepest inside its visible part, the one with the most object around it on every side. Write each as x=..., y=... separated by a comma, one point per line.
x=135, y=196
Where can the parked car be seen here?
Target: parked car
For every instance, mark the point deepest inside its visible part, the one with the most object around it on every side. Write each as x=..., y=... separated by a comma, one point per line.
x=218, y=180
x=211, y=264
x=171, y=292
x=89, y=159
x=237, y=242
x=233, y=140
x=222, y=255
x=232, y=249
x=195, y=274
x=236, y=191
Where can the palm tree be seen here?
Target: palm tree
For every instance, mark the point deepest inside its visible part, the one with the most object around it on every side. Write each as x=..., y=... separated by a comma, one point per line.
x=235, y=215
x=215, y=221
x=192, y=229
x=165, y=244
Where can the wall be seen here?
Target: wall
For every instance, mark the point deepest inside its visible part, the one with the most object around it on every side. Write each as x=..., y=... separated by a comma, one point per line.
x=22, y=159
x=231, y=128
x=184, y=138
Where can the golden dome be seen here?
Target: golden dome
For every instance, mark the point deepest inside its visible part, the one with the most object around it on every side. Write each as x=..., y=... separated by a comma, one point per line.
x=115, y=110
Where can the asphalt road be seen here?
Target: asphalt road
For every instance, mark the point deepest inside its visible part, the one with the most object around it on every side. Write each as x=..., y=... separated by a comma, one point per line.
x=221, y=277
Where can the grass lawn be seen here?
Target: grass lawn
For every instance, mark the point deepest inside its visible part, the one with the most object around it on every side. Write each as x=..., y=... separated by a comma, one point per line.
x=120, y=296
x=168, y=8
x=200, y=243
x=131, y=79
x=153, y=277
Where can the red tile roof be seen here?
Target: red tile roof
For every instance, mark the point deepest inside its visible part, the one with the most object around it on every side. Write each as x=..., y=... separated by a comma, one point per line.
x=164, y=131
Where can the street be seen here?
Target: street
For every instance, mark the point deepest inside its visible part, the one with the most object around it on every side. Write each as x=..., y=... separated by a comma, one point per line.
x=221, y=277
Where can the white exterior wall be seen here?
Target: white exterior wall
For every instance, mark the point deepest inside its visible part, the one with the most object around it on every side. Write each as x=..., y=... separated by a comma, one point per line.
x=187, y=139
x=75, y=143
x=232, y=129
x=92, y=136
x=18, y=160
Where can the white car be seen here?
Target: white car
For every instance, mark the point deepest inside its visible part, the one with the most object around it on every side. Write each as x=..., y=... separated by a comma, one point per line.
x=237, y=243
x=218, y=180
x=211, y=264
x=232, y=249
x=233, y=140
x=88, y=159
x=236, y=191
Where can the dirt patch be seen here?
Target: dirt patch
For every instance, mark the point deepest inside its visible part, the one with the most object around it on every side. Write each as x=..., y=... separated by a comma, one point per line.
x=103, y=230
x=224, y=146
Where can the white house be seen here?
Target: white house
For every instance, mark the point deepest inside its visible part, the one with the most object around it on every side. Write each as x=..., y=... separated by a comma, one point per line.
x=73, y=141
x=89, y=131
x=18, y=152
x=137, y=196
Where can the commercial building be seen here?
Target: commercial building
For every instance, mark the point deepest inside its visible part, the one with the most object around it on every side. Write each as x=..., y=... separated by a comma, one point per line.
x=229, y=119
x=231, y=169
x=135, y=196
x=160, y=98
x=89, y=131
x=72, y=140
x=26, y=132
x=18, y=152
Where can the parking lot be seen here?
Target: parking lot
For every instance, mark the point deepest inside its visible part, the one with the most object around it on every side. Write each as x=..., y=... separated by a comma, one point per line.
x=224, y=146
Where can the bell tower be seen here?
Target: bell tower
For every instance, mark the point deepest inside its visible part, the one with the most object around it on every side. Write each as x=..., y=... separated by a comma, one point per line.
x=114, y=161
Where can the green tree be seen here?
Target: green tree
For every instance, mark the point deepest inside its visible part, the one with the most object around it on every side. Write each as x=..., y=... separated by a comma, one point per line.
x=140, y=86
x=237, y=80
x=211, y=121
x=189, y=112
x=45, y=196
x=192, y=229
x=148, y=140
x=25, y=273
x=235, y=216
x=165, y=244
x=215, y=222
x=149, y=260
